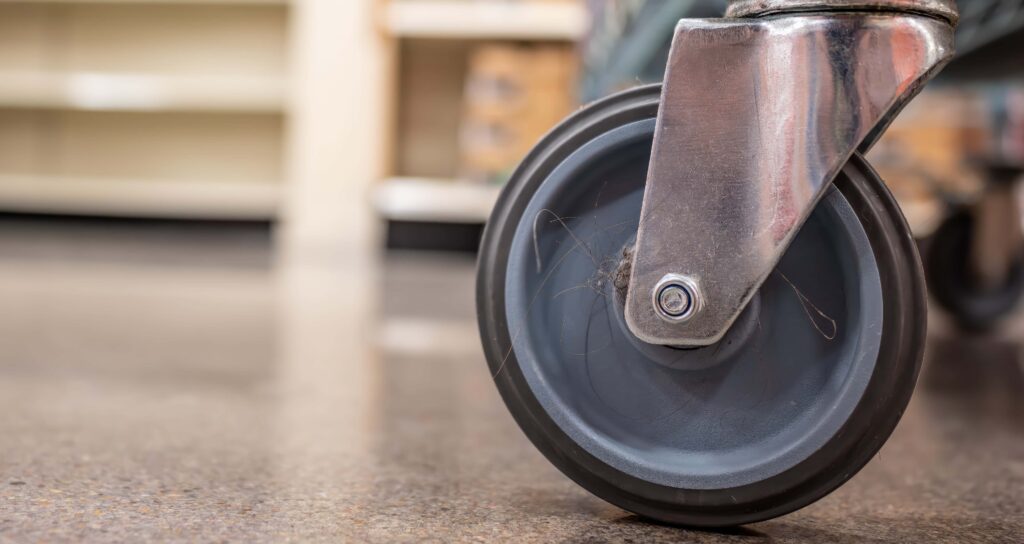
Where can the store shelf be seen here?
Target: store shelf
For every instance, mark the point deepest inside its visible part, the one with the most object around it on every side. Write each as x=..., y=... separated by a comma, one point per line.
x=434, y=200
x=141, y=92
x=453, y=19
x=418, y=336
x=140, y=198
x=165, y=2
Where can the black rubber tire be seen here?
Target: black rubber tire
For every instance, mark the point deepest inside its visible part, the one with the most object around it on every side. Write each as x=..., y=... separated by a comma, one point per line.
x=949, y=278
x=863, y=434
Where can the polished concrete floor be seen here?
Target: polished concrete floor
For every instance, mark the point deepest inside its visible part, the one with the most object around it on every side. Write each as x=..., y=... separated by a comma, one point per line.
x=168, y=383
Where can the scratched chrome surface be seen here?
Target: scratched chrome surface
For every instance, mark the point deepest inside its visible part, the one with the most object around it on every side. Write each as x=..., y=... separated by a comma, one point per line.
x=945, y=9
x=757, y=117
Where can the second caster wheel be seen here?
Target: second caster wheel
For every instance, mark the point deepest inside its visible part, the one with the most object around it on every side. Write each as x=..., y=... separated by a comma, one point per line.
x=800, y=393
x=974, y=306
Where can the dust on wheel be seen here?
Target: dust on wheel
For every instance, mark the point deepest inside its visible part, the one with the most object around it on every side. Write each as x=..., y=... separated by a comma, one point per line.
x=798, y=396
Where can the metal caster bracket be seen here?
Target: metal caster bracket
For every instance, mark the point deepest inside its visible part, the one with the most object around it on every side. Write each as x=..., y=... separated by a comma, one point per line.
x=758, y=115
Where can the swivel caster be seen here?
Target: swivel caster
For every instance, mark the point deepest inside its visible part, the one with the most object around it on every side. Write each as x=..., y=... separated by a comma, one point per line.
x=975, y=261
x=801, y=392
x=702, y=313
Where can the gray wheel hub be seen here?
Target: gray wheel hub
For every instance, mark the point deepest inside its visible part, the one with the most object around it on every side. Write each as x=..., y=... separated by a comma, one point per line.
x=779, y=385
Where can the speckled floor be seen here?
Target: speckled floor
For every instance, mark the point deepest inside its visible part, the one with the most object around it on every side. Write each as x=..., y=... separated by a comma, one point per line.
x=176, y=384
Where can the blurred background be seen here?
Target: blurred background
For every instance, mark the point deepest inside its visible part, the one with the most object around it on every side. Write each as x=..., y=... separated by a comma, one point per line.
x=237, y=246
x=388, y=123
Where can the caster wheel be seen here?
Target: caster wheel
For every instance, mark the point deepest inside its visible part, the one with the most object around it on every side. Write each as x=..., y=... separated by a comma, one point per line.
x=795, y=399
x=950, y=281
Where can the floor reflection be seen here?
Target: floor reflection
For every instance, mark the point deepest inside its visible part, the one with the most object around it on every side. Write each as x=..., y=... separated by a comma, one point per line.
x=980, y=376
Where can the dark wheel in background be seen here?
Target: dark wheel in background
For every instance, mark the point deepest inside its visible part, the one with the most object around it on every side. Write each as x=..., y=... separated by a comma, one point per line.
x=796, y=398
x=950, y=281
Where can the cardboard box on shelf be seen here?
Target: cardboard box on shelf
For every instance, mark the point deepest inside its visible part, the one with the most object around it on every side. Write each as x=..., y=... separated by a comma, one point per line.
x=514, y=94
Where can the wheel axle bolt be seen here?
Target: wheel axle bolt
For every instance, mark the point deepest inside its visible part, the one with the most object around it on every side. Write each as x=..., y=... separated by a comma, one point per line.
x=676, y=298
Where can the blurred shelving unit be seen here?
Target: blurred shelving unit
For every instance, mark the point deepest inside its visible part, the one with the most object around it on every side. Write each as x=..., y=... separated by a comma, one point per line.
x=195, y=2
x=432, y=200
x=486, y=19
x=426, y=200
x=142, y=92
x=140, y=198
x=144, y=108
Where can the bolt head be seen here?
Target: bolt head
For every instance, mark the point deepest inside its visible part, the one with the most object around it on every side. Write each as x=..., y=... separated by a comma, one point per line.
x=676, y=298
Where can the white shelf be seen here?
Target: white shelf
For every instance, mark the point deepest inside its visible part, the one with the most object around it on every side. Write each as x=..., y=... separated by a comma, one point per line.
x=480, y=19
x=418, y=336
x=141, y=92
x=166, y=2
x=140, y=198
x=435, y=200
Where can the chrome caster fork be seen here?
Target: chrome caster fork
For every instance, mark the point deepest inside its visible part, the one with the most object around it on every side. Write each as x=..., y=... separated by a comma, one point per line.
x=698, y=300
